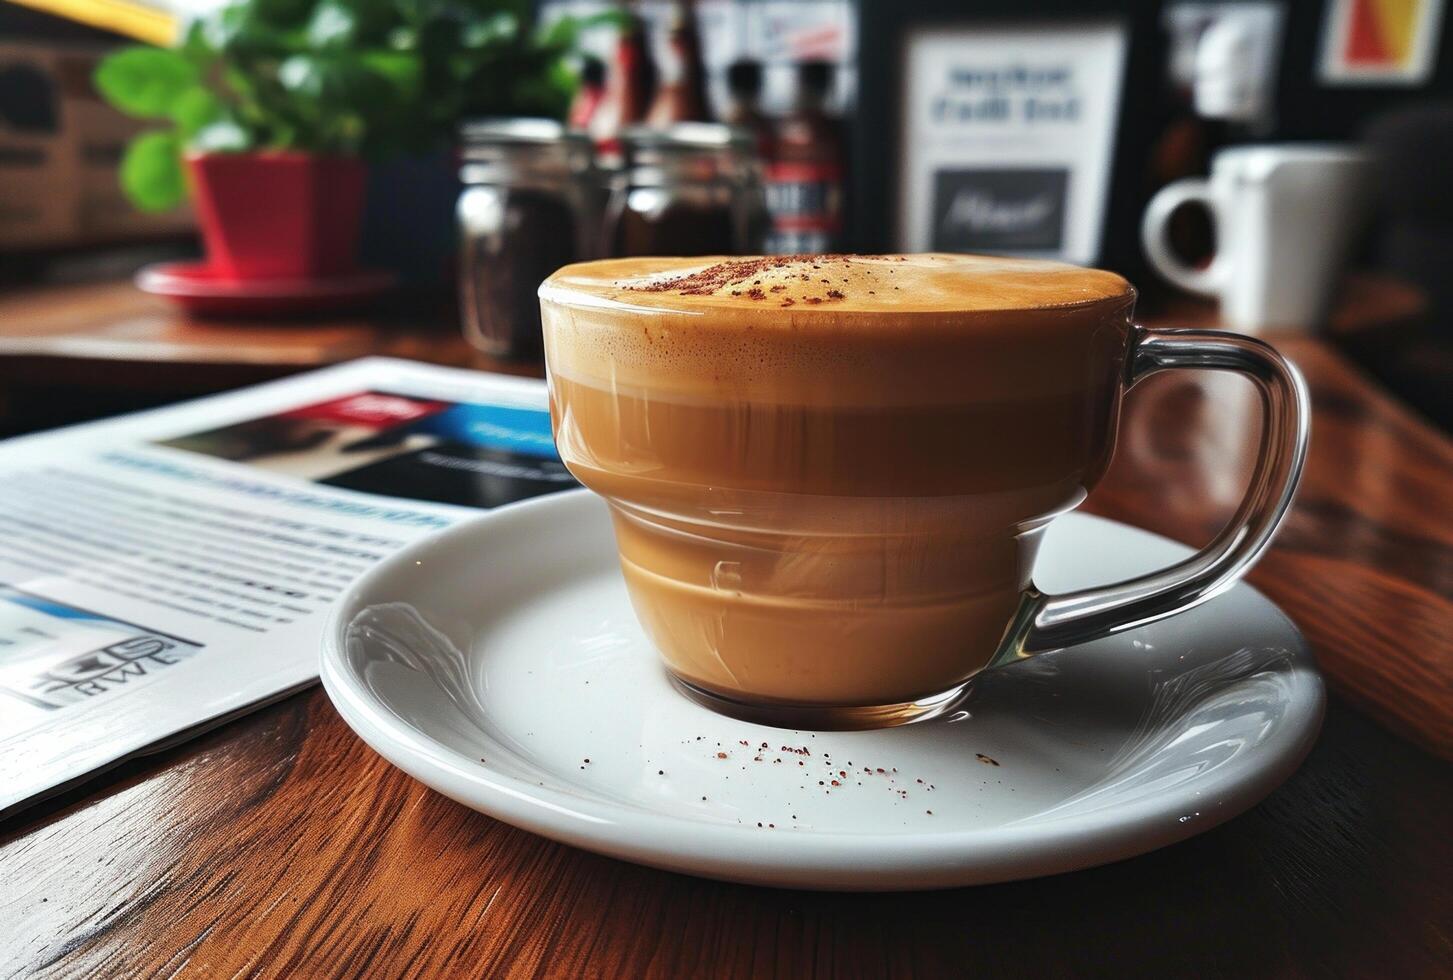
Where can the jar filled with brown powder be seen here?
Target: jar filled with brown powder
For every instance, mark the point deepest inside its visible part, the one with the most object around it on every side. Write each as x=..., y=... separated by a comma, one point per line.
x=531, y=203
x=690, y=189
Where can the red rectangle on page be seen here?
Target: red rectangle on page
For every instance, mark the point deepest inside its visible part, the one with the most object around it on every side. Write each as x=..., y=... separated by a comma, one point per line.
x=370, y=408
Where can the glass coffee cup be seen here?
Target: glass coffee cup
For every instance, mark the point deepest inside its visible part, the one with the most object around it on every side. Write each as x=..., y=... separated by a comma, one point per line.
x=829, y=475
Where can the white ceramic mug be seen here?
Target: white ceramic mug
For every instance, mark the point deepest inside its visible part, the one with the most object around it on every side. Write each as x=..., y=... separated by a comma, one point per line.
x=1284, y=217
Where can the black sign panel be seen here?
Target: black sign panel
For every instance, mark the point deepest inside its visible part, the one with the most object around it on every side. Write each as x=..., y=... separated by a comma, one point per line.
x=999, y=210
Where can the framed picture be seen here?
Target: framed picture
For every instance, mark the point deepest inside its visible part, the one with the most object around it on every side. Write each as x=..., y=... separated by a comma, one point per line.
x=1346, y=62
x=1380, y=42
x=1008, y=128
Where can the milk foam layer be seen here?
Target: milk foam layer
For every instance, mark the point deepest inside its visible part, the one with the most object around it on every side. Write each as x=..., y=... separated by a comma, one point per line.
x=830, y=329
x=818, y=285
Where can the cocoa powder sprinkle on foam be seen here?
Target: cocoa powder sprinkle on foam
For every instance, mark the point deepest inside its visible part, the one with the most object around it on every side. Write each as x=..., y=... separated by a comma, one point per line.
x=735, y=272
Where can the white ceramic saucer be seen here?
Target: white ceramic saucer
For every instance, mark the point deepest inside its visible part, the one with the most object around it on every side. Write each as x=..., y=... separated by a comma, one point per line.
x=500, y=663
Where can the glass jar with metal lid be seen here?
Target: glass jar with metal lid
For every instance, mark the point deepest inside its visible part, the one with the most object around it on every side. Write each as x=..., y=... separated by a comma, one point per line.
x=689, y=189
x=531, y=203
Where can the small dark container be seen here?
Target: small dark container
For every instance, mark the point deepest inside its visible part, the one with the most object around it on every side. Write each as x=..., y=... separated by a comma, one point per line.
x=530, y=204
x=691, y=189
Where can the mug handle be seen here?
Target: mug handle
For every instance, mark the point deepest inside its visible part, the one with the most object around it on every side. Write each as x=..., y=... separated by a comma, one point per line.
x=1155, y=237
x=1051, y=622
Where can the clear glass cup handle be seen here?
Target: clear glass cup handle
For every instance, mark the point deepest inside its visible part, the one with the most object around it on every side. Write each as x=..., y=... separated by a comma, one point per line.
x=1050, y=622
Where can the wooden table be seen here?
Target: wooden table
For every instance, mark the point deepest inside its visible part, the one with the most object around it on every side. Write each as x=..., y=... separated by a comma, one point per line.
x=281, y=845
x=78, y=352
x=99, y=332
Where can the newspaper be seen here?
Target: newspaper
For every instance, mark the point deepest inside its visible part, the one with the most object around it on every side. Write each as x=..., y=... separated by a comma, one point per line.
x=166, y=571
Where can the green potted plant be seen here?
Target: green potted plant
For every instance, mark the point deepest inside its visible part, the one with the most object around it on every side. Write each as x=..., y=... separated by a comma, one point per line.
x=270, y=108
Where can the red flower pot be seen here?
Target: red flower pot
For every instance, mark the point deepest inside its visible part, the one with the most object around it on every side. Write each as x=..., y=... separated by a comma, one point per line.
x=278, y=215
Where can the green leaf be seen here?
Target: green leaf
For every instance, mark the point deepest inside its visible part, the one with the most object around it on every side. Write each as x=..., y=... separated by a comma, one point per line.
x=281, y=13
x=330, y=83
x=334, y=99
x=521, y=10
x=240, y=28
x=151, y=172
x=195, y=108
x=351, y=23
x=436, y=40
x=348, y=130
x=241, y=83
x=221, y=29
x=194, y=43
x=284, y=137
x=565, y=32
x=490, y=30
x=333, y=24
x=223, y=136
x=303, y=75
x=563, y=79
x=145, y=81
x=416, y=12
x=402, y=70
x=376, y=76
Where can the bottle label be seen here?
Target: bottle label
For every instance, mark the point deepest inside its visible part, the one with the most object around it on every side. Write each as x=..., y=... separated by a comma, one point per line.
x=805, y=202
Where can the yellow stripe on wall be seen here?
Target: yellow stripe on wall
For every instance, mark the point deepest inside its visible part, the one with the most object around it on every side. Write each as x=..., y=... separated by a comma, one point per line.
x=131, y=19
x=1396, y=20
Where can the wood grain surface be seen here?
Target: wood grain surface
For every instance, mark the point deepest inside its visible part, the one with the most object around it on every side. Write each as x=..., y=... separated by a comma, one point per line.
x=74, y=353
x=1364, y=562
x=114, y=323
x=283, y=847
x=280, y=845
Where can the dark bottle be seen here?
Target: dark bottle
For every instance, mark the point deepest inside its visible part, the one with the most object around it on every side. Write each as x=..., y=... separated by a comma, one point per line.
x=804, y=178
x=590, y=94
x=629, y=86
x=744, y=86
x=682, y=94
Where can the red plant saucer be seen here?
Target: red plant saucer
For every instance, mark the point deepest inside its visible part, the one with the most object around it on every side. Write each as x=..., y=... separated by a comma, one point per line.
x=199, y=290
